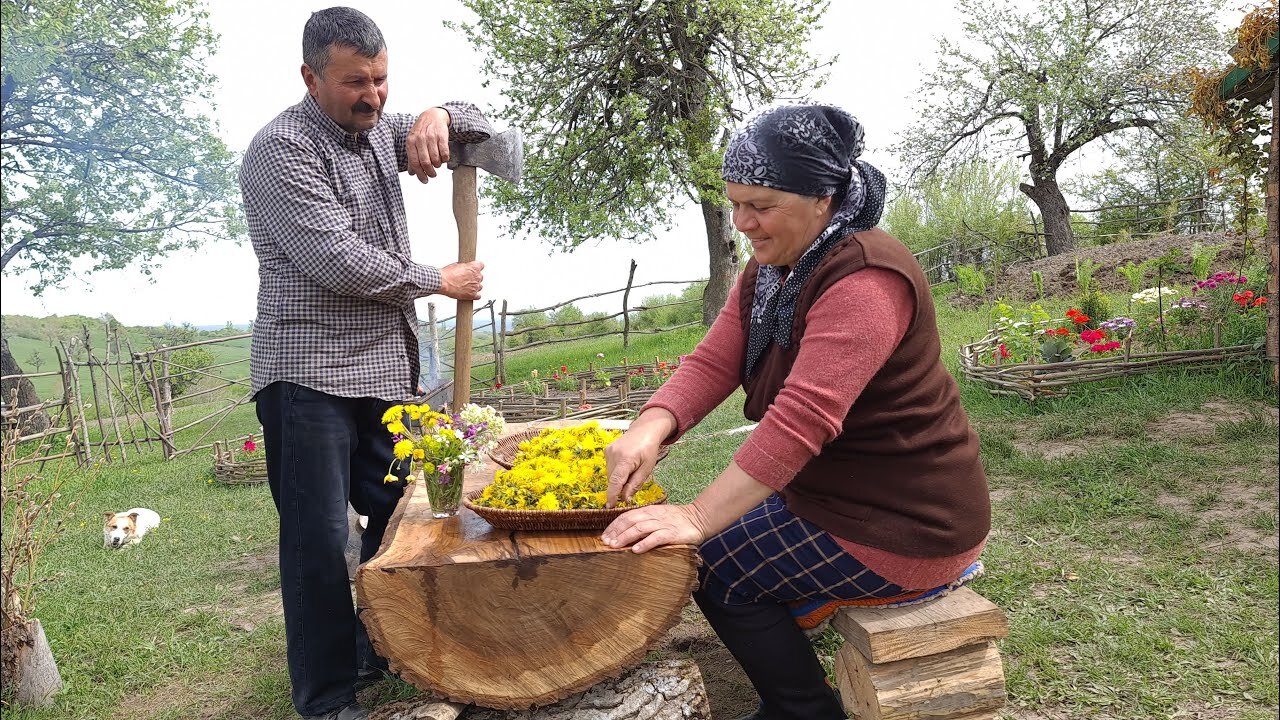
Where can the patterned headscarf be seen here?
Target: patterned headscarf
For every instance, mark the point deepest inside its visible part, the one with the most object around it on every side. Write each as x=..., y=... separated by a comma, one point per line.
x=808, y=150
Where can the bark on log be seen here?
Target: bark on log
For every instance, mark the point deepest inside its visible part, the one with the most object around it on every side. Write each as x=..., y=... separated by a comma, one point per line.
x=511, y=620
x=667, y=690
x=29, y=669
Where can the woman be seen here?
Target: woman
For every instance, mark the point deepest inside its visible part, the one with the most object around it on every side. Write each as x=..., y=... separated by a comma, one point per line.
x=861, y=483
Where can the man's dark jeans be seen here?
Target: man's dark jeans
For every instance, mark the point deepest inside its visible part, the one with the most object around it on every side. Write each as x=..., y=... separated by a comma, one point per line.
x=323, y=451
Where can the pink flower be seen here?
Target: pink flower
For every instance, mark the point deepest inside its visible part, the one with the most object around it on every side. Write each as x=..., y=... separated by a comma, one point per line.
x=250, y=445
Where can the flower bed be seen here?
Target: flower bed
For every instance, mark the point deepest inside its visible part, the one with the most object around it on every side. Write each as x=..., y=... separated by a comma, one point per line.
x=1032, y=355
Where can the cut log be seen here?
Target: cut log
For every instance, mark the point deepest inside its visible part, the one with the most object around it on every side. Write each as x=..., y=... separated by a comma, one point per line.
x=666, y=690
x=30, y=672
x=886, y=634
x=511, y=620
x=955, y=685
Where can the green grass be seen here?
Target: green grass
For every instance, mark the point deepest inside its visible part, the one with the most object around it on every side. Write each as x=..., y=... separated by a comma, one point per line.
x=1134, y=557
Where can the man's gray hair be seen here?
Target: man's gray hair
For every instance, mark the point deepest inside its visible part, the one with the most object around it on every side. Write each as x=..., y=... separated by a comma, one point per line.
x=339, y=26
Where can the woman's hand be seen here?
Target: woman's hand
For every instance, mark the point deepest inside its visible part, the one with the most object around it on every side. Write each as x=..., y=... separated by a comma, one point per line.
x=654, y=526
x=630, y=459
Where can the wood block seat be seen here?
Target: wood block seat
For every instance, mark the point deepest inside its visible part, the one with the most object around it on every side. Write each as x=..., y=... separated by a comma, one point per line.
x=937, y=660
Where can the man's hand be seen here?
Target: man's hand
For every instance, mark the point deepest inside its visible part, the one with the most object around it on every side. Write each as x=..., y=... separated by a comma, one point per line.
x=462, y=281
x=428, y=143
x=654, y=526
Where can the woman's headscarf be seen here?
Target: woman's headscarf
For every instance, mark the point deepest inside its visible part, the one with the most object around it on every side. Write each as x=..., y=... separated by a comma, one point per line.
x=808, y=150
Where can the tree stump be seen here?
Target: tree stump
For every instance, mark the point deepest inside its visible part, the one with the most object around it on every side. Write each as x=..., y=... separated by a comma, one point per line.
x=666, y=690
x=513, y=619
x=29, y=670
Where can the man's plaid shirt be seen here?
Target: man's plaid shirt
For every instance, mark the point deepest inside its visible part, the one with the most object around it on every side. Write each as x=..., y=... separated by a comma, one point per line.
x=336, y=284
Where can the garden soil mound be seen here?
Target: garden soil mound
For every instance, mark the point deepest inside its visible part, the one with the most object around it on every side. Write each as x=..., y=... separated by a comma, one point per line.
x=1059, y=271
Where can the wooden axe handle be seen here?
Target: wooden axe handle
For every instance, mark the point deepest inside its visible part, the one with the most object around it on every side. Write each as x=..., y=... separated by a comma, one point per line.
x=465, y=213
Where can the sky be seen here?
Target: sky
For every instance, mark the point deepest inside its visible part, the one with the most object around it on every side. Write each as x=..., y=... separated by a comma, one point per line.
x=884, y=53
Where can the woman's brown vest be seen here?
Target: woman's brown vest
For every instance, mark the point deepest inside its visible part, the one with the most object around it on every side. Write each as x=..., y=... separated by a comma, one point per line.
x=904, y=473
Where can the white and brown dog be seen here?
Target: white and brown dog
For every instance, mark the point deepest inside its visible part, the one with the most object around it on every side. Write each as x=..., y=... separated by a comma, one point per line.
x=128, y=527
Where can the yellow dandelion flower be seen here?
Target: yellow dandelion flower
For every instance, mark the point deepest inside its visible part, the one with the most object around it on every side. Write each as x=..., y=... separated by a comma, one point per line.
x=396, y=427
x=419, y=454
x=392, y=413
x=403, y=449
x=548, y=502
x=415, y=411
x=390, y=478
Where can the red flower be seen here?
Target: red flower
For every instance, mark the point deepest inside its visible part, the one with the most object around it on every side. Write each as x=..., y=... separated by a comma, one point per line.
x=1259, y=302
x=1105, y=347
x=497, y=386
x=1093, y=336
x=1079, y=318
x=584, y=406
x=1072, y=312
x=1004, y=351
x=250, y=445
x=564, y=369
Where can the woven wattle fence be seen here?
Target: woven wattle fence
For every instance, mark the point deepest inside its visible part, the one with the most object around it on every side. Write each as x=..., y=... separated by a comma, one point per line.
x=1038, y=380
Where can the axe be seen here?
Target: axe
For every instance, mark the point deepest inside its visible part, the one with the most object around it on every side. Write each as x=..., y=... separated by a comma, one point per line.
x=501, y=155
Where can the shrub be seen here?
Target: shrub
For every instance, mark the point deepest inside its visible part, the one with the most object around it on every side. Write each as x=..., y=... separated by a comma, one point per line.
x=972, y=281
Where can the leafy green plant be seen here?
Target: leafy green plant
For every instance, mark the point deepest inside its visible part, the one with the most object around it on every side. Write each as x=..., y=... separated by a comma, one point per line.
x=1085, y=269
x=1096, y=306
x=1202, y=258
x=1056, y=350
x=1037, y=279
x=972, y=280
x=1135, y=274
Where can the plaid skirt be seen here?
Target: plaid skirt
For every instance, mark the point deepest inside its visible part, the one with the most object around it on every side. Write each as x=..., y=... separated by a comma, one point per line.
x=770, y=555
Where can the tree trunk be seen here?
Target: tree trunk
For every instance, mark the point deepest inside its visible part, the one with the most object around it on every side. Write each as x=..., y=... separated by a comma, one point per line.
x=512, y=619
x=722, y=251
x=1273, y=235
x=1047, y=196
x=665, y=690
x=29, y=422
x=28, y=669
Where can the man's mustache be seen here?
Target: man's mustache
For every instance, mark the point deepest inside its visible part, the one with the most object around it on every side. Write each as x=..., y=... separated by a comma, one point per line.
x=363, y=107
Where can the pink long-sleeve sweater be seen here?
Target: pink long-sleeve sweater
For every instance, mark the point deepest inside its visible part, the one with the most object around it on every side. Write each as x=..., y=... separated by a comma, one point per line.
x=852, y=329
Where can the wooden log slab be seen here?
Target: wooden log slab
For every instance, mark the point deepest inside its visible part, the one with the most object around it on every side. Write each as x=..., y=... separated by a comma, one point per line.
x=513, y=619
x=960, y=618
x=665, y=690
x=962, y=684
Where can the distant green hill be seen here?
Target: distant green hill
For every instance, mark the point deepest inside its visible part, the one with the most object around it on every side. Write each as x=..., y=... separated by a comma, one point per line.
x=32, y=341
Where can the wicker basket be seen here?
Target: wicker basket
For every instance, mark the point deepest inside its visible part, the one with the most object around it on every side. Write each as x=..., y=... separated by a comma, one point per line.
x=232, y=468
x=503, y=519
x=504, y=453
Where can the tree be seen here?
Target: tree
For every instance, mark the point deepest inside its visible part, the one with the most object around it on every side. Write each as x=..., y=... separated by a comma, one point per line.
x=35, y=360
x=625, y=103
x=106, y=150
x=1050, y=81
x=1147, y=168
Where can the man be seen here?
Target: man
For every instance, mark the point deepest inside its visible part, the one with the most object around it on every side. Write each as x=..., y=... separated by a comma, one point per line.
x=334, y=341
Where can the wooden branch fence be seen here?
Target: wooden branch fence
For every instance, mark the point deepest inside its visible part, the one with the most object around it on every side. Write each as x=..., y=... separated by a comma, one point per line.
x=124, y=401
x=435, y=333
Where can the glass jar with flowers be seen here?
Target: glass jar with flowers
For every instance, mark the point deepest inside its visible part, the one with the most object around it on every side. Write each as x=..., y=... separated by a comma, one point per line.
x=439, y=446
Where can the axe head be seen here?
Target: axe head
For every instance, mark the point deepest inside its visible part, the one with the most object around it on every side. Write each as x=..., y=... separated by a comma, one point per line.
x=501, y=155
